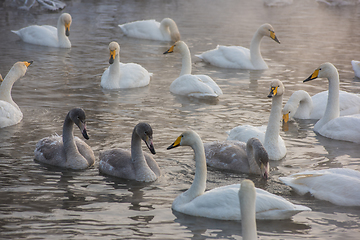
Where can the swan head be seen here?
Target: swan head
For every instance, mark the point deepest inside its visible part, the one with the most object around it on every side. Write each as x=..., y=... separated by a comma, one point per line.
x=326, y=70
x=66, y=20
x=77, y=115
x=289, y=110
x=114, y=49
x=179, y=47
x=267, y=30
x=19, y=68
x=276, y=89
x=145, y=132
x=260, y=155
x=187, y=138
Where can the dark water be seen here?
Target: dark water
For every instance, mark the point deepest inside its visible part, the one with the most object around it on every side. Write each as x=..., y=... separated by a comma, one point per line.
x=39, y=202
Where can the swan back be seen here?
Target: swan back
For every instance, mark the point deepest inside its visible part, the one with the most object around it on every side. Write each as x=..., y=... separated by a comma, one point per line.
x=247, y=199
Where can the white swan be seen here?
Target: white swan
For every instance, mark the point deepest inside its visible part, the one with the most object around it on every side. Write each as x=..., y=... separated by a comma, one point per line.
x=10, y=113
x=250, y=157
x=134, y=164
x=67, y=151
x=301, y=105
x=123, y=75
x=339, y=186
x=356, y=67
x=268, y=135
x=331, y=125
x=47, y=35
x=240, y=57
x=167, y=30
x=247, y=199
x=188, y=84
x=223, y=203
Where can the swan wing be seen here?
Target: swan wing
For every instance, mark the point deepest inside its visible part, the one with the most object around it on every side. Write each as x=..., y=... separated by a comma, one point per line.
x=85, y=150
x=244, y=132
x=133, y=75
x=9, y=114
x=40, y=35
x=49, y=150
x=145, y=29
x=117, y=162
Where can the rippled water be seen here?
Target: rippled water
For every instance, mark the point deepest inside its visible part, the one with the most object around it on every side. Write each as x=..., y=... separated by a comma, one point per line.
x=48, y=203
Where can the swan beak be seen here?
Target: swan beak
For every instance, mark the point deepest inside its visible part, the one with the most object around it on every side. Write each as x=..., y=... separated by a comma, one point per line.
x=170, y=50
x=28, y=63
x=150, y=145
x=312, y=76
x=67, y=29
x=112, y=56
x=285, y=118
x=273, y=36
x=265, y=170
x=273, y=92
x=83, y=130
x=1, y=78
x=176, y=143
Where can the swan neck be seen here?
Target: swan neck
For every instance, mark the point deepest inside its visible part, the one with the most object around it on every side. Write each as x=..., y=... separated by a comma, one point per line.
x=273, y=127
x=62, y=38
x=114, y=68
x=7, y=84
x=255, y=54
x=186, y=61
x=254, y=166
x=68, y=138
x=248, y=219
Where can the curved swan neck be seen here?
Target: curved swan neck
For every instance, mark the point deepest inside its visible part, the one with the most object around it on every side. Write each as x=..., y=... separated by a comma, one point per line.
x=273, y=127
x=186, y=61
x=7, y=84
x=255, y=54
x=63, y=39
x=304, y=101
x=68, y=138
x=169, y=28
x=199, y=184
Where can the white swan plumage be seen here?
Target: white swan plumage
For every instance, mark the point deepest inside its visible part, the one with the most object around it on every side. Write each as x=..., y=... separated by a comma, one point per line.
x=10, y=113
x=67, y=151
x=134, y=164
x=356, y=67
x=250, y=157
x=223, y=202
x=268, y=135
x=47, y=35
x=331, y=125
x=123, y=75
x=247, y=199
x=167, y=30
x=340, y=186
x=300, y=105
x=188, y=84
x=241, y=57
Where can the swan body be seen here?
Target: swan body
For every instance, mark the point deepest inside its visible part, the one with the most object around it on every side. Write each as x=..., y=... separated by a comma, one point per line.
x=331, y=125
x=268, y=135
x=167, y=30
x=241, y=57
x=188, y=84
x=339, y=186
x=134, y=164
x=10, y=113
x=247, y=199
x=301, y=105
x=223, y=202
x=46, y=35
x=67, y=151
x=250, y=157
x=356, y=67
x=123, y=75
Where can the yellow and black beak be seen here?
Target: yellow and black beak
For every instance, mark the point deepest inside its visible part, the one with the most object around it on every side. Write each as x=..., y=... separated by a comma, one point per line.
x=170, y=50
x=313, y=76
x=112, y=56
x=176, y=143
x=273, y=36
x=67, y=29
x=273, y=92
x=28, y=63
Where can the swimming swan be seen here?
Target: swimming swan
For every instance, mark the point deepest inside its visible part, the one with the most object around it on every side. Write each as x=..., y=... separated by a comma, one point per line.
x=356, y=67
x=67, y=151
x=339, y=186
x=240, y=57
x=47, y=35
x=301, y=105
x=223, y=202
x=250, y=157
x=188, y=84
x=167, y=30
x=331, y=125
x=123, y=75
x=10, y=113
x=134, y=165
x=269, y=136
x=247, y=199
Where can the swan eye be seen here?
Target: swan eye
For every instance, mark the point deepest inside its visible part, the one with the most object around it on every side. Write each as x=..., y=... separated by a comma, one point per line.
x=319, y=69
